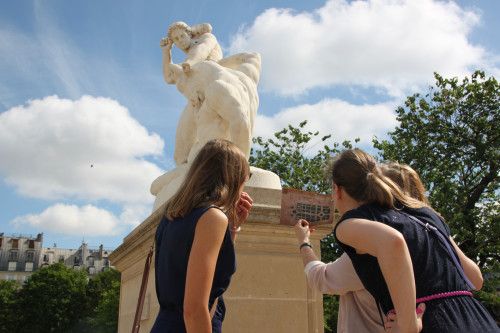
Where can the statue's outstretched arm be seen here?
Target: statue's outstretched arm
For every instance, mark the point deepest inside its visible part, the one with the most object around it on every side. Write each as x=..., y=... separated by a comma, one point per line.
x=168, y=67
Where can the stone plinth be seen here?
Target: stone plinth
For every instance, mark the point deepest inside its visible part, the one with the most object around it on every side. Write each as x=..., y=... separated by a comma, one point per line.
x=268, y=293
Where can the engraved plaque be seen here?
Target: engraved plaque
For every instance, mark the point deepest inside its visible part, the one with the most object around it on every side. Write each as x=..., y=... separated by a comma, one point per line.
x=314, y=207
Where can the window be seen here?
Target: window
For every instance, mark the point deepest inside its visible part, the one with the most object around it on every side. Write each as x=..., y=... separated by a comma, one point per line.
x=77, y=261
x=31, y=244
x=13, y=256
x=1, y=241
x=28, y=267
x=12, y=266
x=92, y=270
x=30, y=255
x=90, y=261
x=61, y=258
x=15, y=243
x=45, y=258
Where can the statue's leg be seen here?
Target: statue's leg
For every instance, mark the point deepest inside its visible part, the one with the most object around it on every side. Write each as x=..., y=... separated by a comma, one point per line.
x=185, y=134
x=230, y=100
x=210, y=126
x=247, y=63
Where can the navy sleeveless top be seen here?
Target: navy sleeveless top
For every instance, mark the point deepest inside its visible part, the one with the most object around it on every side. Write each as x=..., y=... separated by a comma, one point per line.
x=434, y=271
x=174, y=239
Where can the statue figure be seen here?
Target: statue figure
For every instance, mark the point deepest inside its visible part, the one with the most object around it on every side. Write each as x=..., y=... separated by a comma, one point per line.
x=221, y=92
x=200, y=45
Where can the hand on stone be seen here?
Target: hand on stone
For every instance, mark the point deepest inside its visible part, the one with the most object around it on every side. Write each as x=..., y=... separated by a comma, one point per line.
x=186, y=67
x=243, y=207
x=391, y=321
x=302, y=231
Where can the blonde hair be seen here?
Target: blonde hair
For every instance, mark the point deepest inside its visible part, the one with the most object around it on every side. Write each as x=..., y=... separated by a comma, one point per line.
x=214, y=178
x=407, y=179
x=358, y=173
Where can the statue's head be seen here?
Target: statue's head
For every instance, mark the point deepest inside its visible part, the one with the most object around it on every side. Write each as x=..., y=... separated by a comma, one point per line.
x=180, y=33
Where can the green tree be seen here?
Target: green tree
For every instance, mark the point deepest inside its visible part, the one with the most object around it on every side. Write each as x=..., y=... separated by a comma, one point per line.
x=101, y=283
x=103, y=294
x=106, y=312
x=52, y=300
x=8, y=306
x=451, y=136
x=290, y=154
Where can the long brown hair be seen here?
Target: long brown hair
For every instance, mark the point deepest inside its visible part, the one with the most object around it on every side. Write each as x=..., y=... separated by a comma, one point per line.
x=214, y=178
x=358, y=173
x=406, y=178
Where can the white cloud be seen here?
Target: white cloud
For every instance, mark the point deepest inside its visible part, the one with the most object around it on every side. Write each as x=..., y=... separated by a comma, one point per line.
x=393, y=44
x=343, y=120
x=90, y=148
x=133, y=215
x=72, y=220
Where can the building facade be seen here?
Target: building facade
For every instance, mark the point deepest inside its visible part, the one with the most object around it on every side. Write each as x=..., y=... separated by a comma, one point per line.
x=21, y=255
x=92, y=260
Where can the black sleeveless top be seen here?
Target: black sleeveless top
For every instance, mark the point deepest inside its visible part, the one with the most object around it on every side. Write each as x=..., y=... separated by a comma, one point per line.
x=173, y=246
x=433, y=269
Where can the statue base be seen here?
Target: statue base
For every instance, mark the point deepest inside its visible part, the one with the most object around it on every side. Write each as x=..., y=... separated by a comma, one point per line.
x=268, y=293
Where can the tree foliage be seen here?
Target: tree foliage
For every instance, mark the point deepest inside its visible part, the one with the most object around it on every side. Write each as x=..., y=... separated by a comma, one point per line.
x=103, y=293
x=60, y=299
x=8, y=296
x=52, y=299
x=101, y=283
x=290, y=155
x=451, y=137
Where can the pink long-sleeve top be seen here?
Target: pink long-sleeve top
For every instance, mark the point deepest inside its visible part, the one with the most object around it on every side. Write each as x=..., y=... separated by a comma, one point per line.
x=358, y=311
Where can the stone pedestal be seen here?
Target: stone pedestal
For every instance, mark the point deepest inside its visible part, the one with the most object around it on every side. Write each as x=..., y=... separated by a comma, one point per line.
x=268, y=293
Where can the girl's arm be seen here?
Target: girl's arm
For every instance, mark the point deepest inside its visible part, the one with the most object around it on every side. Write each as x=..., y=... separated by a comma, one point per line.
x=389, y=246
x=471, y=269
x=208, y=237
x=336, y=278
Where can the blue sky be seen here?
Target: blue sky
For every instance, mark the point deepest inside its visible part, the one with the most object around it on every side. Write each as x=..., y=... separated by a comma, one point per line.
x=87, y=122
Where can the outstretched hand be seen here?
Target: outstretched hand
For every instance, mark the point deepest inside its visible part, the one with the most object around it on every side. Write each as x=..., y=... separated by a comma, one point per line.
x=303, y=231
x=391, y=321
x=166, y=42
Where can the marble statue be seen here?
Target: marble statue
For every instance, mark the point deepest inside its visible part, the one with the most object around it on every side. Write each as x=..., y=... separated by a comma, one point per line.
x=221, y=93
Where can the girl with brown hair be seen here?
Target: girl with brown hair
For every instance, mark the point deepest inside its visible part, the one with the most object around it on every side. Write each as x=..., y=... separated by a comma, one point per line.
x=394, y=257
x=195, y=256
